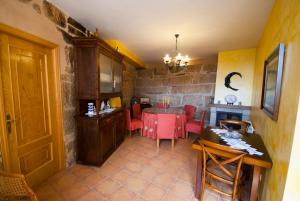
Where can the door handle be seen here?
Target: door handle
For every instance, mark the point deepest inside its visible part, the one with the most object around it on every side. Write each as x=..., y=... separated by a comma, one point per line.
x=8, y=122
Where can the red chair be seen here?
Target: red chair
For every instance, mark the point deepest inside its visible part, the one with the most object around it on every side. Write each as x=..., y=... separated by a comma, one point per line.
x=133, y=124
x=189, y=112
x=195, y=126
x=166, y=125
x=136, y=108
x=162, y=106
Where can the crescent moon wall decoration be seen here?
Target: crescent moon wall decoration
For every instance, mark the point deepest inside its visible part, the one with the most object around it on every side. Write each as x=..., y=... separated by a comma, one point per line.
x=228, y=80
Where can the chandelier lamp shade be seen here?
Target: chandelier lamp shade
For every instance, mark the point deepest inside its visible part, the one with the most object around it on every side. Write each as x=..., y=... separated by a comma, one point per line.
x=177, y=61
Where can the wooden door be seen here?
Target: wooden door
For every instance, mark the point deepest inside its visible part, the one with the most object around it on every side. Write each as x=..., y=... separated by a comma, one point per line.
x=28, y=84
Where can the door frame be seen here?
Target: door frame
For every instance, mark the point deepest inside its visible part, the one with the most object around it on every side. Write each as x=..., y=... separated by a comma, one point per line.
x=59, y=114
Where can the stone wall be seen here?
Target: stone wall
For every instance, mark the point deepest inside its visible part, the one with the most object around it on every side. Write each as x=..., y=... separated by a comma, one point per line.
x=193, y=86
x=42, y=19
x=129, y=79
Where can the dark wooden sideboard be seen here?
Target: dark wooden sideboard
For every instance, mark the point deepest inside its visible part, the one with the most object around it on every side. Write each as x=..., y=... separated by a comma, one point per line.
x=98, y=77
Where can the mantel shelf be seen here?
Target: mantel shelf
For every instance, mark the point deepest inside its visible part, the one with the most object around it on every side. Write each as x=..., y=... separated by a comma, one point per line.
x=241, y=107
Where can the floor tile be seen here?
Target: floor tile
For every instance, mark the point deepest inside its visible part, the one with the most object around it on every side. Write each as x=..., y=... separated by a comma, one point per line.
x=136, y=171
x=81, y=171
x=47, y=193
x=122, y=194
x=183, y=189
x=136, y=184
x=153, y=193
x=91, y=196
x=164, y=180
x=93, y=179
x=75, y=191
x=107, y=187
x=122, y=176
x=134, y=167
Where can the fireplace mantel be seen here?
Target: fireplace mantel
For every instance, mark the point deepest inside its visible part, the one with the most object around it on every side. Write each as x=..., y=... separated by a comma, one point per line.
x=241, y=107
x=243, y=110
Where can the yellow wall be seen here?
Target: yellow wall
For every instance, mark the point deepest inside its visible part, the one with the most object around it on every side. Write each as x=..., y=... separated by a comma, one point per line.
x=291, y=191
x=241, y=61
x=282, y=26
x=123, y=50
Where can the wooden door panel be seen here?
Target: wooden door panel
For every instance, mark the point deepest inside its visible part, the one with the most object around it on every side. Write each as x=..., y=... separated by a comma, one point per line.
x=30, y=98
x=36, y=158
x=27, y=74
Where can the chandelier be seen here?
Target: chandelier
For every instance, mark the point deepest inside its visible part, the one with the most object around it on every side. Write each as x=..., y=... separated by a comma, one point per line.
x=177, y=62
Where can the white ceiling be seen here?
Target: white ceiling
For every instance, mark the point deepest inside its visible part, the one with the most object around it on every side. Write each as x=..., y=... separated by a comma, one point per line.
x=147, y=27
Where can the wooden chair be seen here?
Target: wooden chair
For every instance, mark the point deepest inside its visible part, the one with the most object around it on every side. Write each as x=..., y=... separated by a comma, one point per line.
x=136, y=109
x=195, y=126
x=15, y=187
x=238, y=125
x=166, y=127
x=226, y=170
x=133, y=124
x=189, y=112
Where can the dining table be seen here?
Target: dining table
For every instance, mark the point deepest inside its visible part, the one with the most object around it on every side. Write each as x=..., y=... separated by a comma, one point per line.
x=258, y=162
x=149, y=118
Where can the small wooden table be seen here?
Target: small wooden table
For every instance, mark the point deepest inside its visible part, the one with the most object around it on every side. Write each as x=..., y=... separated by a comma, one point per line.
x=258, y=162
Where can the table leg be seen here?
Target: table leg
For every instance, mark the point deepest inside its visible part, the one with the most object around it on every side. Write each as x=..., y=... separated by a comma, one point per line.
x=198, y=175
x=255, y=183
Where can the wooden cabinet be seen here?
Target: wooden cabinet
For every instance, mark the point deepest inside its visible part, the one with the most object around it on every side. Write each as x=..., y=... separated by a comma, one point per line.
x=98, y=77
x=107, y=133
x=120, y=134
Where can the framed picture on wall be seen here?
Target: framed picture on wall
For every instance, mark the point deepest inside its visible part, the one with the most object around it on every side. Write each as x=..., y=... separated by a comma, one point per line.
x=273, y=70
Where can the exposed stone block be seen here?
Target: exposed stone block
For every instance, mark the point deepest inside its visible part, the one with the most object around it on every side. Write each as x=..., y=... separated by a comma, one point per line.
x=67, y=37
x=192, y=100
x=180, y=80
x=69, y=122
x=54, y=14
x=161, y=70
x=207, y=100
x=199, y=78
x=210, y=67
x=204, y=89
x=67, y=77
x=37, y=8
x=145, y=73
x=25, y=1
x=68, y=94
x=153, y=90
x=194, y=68
x=70, y=58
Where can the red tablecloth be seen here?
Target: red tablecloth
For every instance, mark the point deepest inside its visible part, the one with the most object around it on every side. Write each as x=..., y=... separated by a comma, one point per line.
x=149, y=118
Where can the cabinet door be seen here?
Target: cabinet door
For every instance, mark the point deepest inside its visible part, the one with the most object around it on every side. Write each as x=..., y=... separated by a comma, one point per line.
x=117, y=76
x=120, y=128
x=106, y=79
x=107, y=130
x=88, y=138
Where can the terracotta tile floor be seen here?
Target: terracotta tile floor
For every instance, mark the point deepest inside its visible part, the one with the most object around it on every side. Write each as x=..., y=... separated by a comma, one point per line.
x=136, y=171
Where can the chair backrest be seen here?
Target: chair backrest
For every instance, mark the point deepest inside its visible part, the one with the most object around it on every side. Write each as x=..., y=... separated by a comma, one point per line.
x=212, y=159
x=136, y=108
x=189, y=112
x=166, y=125
x=241, y=126
x=203, y=113
x=128, y=119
